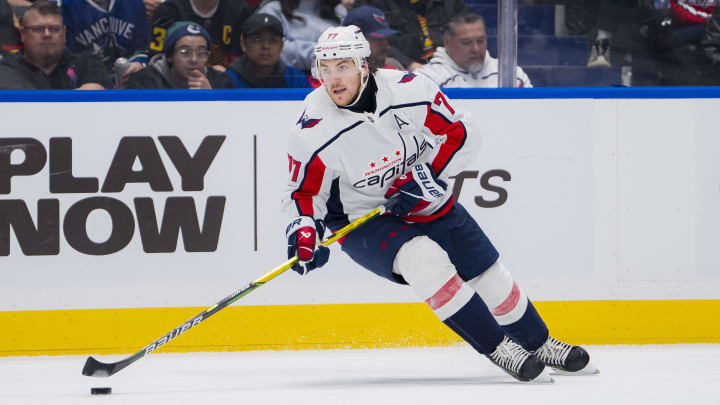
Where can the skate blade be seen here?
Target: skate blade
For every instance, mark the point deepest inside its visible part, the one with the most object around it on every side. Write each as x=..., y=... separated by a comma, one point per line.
x=588, y=370
x=543, y=378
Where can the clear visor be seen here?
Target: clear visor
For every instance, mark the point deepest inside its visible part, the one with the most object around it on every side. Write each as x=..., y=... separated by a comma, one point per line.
x=330, y=69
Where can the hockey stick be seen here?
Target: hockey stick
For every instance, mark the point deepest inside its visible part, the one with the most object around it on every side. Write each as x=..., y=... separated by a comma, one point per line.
x=96, y=368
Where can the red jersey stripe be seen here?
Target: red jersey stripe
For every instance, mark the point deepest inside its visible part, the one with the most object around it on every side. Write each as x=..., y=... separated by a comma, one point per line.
x=427, y=218
x=310, y=186
x=455, y=132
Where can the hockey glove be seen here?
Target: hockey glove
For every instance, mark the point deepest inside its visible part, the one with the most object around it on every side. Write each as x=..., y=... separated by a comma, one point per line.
x=417, y=188
x=303, y=236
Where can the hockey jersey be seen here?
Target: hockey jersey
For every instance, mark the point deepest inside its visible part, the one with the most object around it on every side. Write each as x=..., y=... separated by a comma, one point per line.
x=692, y=11
x=120, y=31
x=224, y=26
x=341, y=163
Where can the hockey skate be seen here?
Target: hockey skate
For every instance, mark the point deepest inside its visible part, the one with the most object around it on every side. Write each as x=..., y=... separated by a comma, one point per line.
x=518, y=362
x=564, y=358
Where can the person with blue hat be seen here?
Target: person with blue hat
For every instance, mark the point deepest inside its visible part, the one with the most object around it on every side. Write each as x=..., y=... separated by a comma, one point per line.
x=183, y=63
x=371, y=20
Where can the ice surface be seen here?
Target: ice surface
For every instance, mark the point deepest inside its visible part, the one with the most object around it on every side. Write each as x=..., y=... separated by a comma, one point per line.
x=657, y=375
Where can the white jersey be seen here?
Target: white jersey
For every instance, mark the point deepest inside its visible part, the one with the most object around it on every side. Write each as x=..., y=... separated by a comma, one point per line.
x=342, y=162
x=446, y=73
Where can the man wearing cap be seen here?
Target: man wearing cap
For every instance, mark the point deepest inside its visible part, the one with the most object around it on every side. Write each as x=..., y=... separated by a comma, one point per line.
x=183, y=65
x=260, y=65
x=374, y=26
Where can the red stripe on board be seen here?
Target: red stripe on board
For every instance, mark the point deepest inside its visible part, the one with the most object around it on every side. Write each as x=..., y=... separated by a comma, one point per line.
x=310, y=186
x=455, y=137
x=510, y=302
x=445, y=293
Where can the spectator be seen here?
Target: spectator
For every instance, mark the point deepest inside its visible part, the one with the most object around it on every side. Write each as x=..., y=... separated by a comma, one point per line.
x=371, y=20
x=44, y=62
x=303, y=21
x=223, y=19
x=260, y=66
x=9, y=35
x=464, y=61
x=420, y=23
x=673, y=37
x=183, y=65
x=109, y=29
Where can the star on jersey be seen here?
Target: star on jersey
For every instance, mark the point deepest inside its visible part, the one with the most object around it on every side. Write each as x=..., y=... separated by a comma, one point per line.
x=385, y=159
x=407, y=78
x=307, y=122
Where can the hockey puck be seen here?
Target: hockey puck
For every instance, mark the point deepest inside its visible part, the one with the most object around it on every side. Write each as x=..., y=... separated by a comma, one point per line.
x=101, y=391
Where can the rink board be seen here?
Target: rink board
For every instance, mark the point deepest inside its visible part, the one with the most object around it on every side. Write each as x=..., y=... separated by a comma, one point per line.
x=340, y=326
x=602, y=204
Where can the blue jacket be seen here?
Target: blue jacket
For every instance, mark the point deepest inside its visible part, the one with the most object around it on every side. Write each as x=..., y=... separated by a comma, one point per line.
x=283, y=76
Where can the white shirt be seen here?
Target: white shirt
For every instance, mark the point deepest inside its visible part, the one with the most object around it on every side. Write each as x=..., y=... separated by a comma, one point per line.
x=446, y=73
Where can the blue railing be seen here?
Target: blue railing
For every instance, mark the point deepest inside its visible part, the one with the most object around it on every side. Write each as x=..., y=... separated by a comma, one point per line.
x=29, y=96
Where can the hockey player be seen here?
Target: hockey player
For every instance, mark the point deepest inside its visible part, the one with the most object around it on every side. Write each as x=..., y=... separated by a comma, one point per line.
x=365, y=136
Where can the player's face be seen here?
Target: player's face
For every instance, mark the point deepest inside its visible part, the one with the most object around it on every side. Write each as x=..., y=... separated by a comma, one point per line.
x=467, y=47
x=191, y=53
x=263, y=48
x=341, y=78
x=379, y=49
x=43, y=36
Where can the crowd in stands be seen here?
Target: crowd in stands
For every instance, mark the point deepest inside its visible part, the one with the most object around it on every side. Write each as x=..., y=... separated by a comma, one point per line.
x=219, y=44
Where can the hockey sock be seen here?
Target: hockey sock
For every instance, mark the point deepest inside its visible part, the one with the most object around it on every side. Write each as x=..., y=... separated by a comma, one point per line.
x=473, y=323
x=510, y=307
x=530, y=331
x=428, y=270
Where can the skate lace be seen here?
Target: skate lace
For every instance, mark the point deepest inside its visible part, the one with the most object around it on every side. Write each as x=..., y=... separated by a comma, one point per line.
x=510, y=355
x=553, y=352
x=594, y=52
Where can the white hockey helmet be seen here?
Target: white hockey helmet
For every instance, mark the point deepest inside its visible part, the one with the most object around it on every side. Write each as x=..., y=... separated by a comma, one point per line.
x=342, y=42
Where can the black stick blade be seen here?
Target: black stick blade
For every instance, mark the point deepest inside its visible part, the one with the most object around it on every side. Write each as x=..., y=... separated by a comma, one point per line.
x=94, y=368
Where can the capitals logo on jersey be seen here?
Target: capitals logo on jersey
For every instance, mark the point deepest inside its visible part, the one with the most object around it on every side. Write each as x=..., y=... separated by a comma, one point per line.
x=407, y=78
x=307, y=122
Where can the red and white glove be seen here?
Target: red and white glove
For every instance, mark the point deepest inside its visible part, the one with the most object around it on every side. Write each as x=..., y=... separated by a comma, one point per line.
x=417, y=189
x=303, y=236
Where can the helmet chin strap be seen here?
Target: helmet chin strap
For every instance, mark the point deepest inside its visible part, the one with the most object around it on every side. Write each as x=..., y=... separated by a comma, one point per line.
x=363, y=81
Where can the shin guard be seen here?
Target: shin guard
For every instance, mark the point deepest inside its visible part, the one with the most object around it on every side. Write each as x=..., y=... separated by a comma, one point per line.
x=428, y=270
